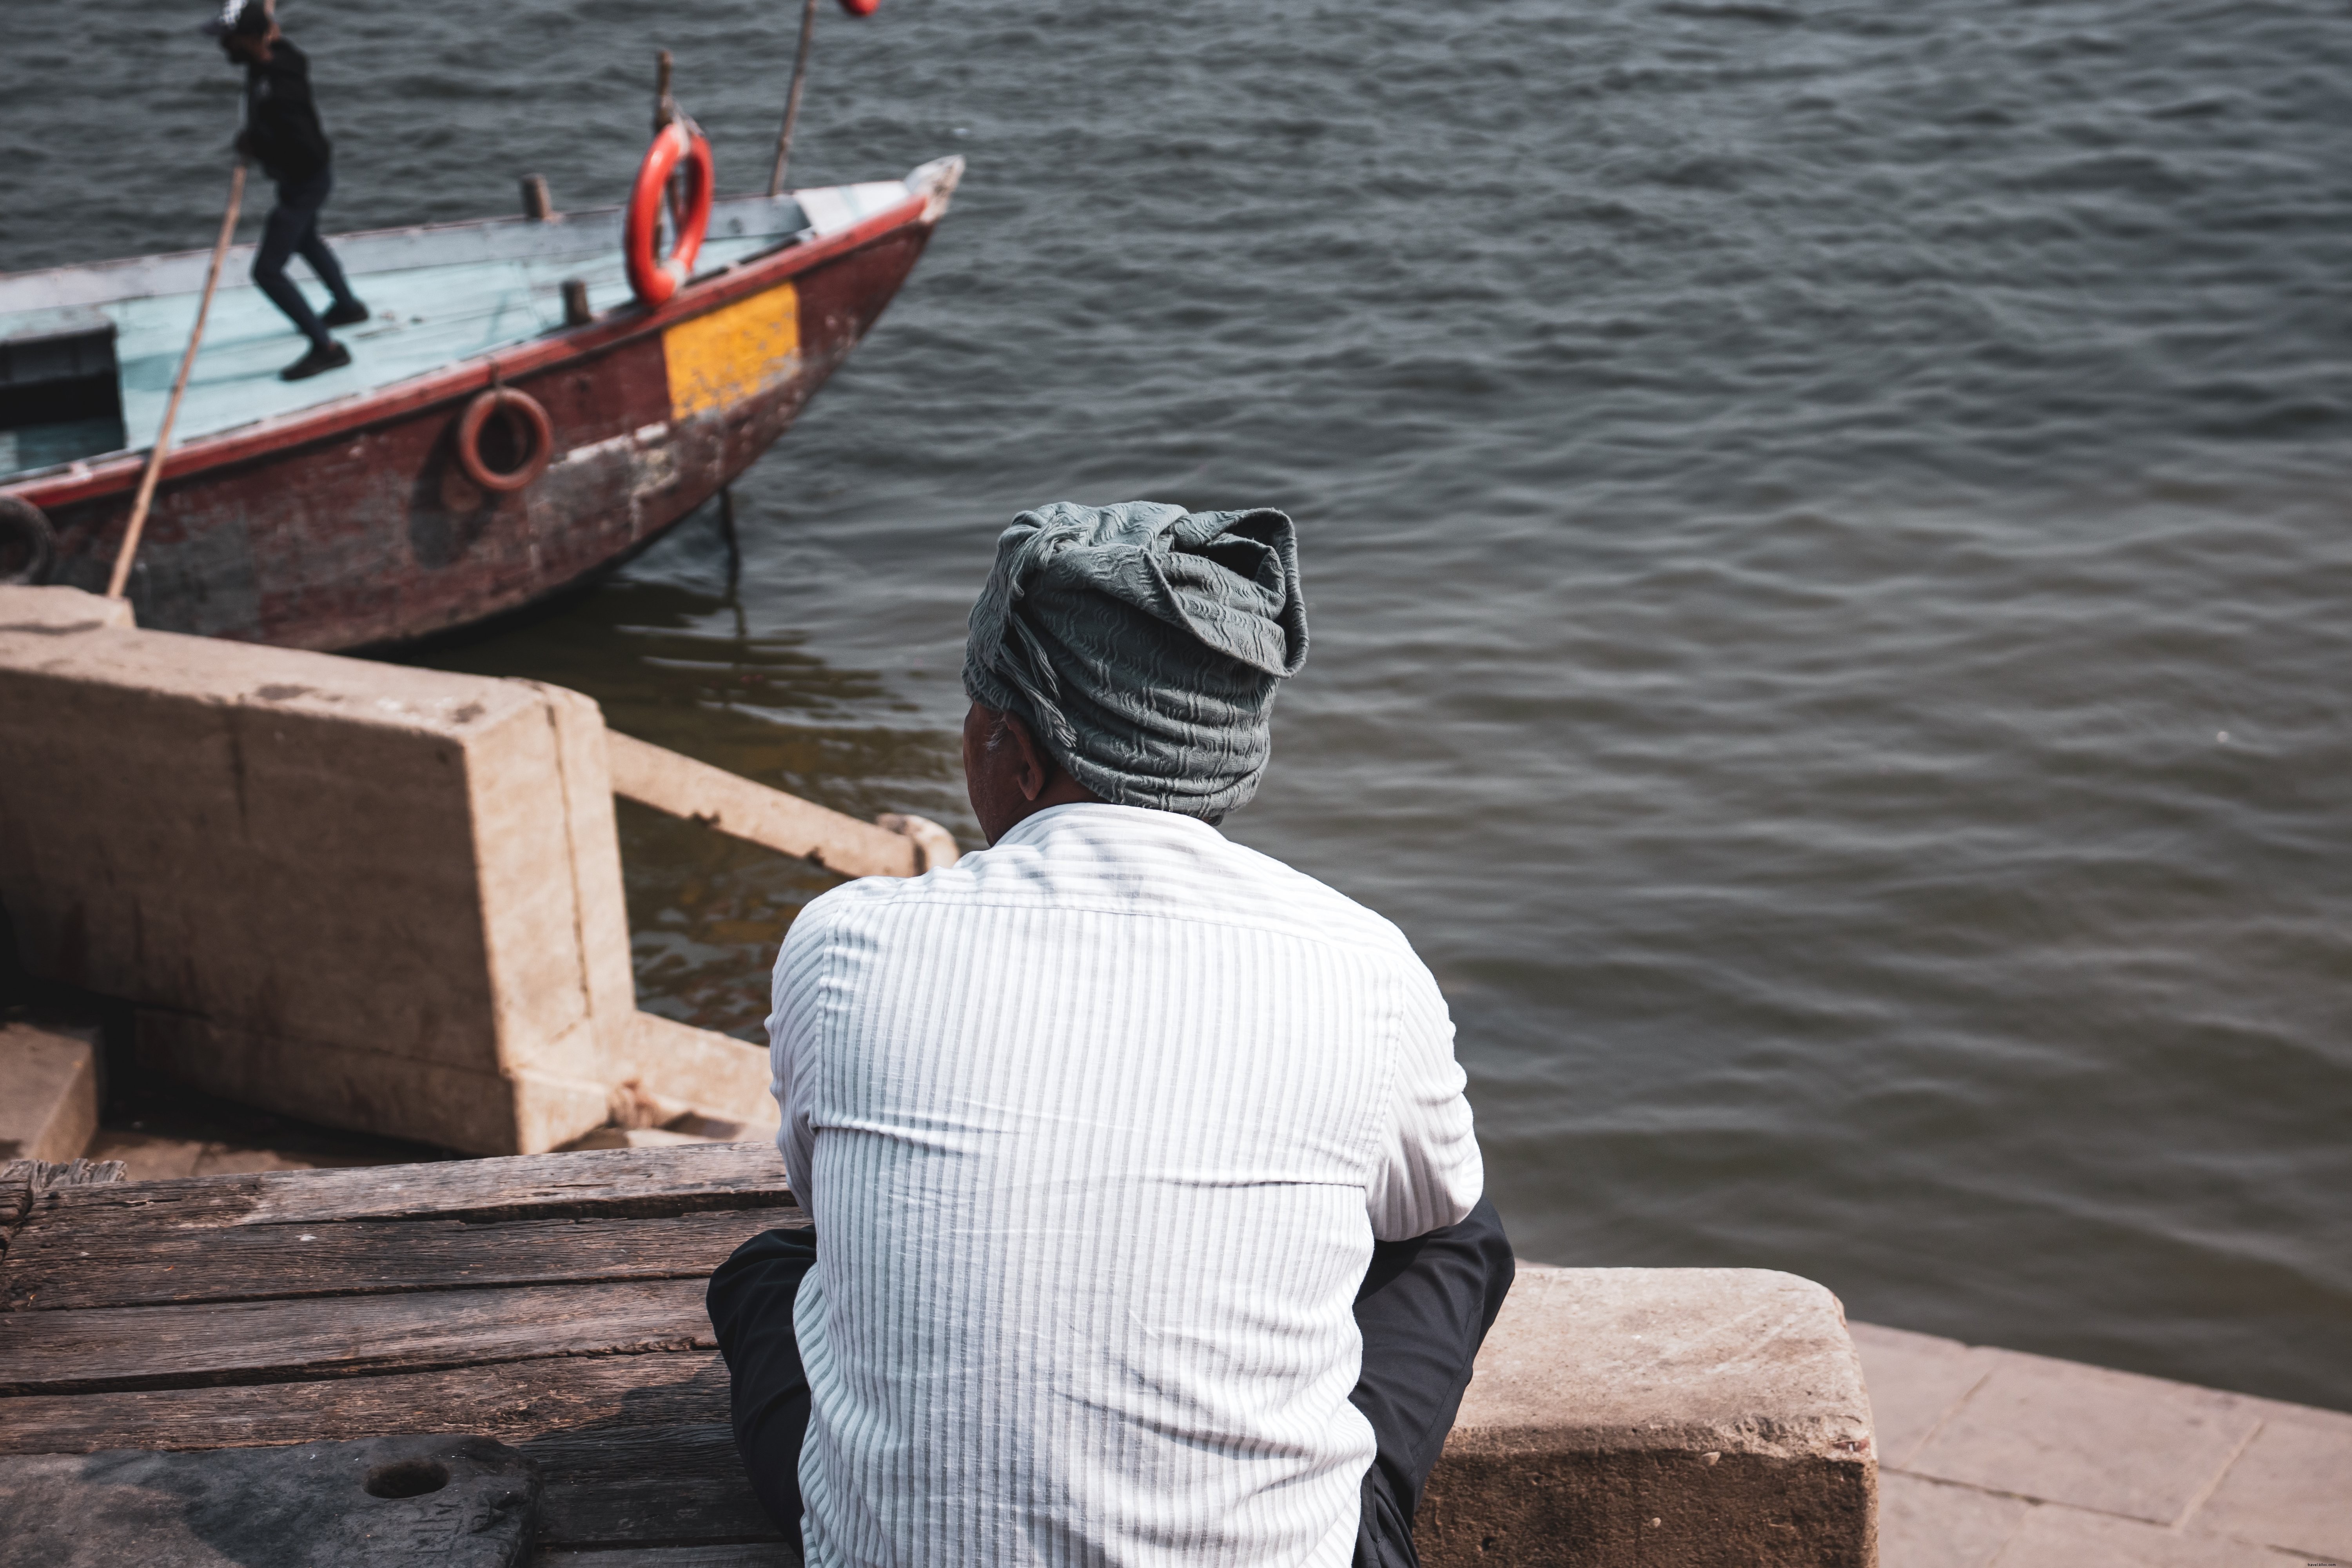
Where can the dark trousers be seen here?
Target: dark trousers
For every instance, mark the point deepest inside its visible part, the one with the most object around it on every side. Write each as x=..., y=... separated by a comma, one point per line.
x=293, y=230
x=1424, y=1309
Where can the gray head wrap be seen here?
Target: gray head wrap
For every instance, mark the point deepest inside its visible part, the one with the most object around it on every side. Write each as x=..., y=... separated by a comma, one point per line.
x=1143, y=644
x=244, y=18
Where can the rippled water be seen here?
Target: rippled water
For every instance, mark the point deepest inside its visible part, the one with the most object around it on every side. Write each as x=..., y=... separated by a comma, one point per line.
x=1825, y=528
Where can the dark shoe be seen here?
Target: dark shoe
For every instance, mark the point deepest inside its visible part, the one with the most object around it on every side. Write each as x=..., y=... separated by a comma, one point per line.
x=334, y=357
x=350, y=313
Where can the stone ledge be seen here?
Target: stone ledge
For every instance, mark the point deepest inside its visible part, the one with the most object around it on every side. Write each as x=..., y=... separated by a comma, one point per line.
x=60, y=611
x=1696, y=1416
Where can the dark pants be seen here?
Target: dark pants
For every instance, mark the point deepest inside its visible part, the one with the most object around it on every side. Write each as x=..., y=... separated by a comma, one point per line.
x=293, y=230
x=1424, y=1309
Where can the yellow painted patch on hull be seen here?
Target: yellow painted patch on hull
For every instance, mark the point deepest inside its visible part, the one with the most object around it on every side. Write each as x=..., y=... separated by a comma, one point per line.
x=734, y=352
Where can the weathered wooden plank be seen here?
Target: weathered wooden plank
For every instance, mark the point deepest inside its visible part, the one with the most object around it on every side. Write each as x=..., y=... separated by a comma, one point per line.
x=748, y=1554
x=64, y=1265
x=607, y=1183
x=643, y=1486
x=511, y=1401
x=142, y=1207
x=741, y=808
x=614, y=1183
x=218, y=1343
x=21, y=1180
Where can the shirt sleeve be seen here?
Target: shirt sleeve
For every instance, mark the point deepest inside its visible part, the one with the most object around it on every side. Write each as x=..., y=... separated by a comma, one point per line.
x=793, y=1026
x=1428, y=1172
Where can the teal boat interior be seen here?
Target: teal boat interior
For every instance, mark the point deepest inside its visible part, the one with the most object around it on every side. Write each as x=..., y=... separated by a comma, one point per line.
x=88, y=353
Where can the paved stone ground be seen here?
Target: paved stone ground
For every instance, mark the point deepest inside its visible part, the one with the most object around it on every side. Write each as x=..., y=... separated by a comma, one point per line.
x=1991, y=1459
x=161, y=1133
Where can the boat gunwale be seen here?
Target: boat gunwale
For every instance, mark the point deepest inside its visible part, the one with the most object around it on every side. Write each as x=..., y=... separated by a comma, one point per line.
x=548, y=234
x=84, y=480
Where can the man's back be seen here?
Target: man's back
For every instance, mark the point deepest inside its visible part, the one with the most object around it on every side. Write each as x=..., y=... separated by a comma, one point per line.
x=1099, y=1127
x=281, y=119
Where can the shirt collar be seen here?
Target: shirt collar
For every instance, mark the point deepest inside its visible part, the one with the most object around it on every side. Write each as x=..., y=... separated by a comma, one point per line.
x=1139, y=821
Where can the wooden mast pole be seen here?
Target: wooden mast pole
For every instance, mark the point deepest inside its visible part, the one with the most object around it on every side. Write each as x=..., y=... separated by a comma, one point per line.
x=793, y=98
x=146, y=497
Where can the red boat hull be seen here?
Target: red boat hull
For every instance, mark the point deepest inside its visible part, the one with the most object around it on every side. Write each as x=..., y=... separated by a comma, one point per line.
x=356, y=524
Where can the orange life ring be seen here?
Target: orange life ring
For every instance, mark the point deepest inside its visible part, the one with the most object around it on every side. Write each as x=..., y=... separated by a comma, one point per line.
x=655, y=279
x=523, y=410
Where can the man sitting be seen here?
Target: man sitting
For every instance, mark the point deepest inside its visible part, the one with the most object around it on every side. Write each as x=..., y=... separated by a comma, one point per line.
x=1150, y=1215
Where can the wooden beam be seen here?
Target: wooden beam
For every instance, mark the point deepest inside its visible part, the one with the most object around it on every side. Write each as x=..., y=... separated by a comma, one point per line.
x=54, y=1267
x=735, y=805
x=97, y=1349
x=606, y=1183
x=511, y=1401
x=642, y=1183
x=24, y=1182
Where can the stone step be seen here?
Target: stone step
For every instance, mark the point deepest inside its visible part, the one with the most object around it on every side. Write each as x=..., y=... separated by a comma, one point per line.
x=48, y=1090
x=1995, y=1459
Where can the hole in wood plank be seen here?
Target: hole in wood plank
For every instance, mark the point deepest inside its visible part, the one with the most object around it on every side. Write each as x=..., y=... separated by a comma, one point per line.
x=407, y=1478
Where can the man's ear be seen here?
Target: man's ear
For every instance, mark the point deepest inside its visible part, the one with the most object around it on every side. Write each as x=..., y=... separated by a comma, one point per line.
x=1037, y=764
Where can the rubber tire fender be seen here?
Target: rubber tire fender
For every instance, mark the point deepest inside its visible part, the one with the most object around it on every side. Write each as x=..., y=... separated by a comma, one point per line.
x=654, y=278
x=518, y=405
x=25, y=528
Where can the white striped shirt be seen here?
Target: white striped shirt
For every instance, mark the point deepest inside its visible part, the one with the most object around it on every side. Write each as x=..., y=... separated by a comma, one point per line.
x=1097, y=1127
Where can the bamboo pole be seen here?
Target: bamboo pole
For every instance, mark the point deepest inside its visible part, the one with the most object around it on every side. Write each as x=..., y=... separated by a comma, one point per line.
x=665, y=112
x=793, y=100
x=130, y=550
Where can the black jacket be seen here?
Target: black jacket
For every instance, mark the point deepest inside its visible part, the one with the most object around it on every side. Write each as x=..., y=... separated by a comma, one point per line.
x=281, y=124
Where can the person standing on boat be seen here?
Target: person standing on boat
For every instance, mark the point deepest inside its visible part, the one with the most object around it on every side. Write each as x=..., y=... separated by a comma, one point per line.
x=1149, y=1221
x=283, y=135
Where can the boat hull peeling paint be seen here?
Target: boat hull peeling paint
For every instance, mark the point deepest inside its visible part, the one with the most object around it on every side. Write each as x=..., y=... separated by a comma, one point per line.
x=355, y=524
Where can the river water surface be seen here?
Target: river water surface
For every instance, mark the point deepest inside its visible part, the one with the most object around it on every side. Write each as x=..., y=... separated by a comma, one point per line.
x=1826, y=529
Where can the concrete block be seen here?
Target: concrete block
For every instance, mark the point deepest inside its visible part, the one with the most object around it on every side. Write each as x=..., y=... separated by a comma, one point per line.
x=374, y=897
x=2052, y=1536
x=264, y=837
x=472, y=1109
x=48, y=1092
x=1916, y=1380
x=594, y=841
x=54, y=611
x=2109, y=1441
x=2291, y=1487
x=1927, y=1524
x=717, y=1075
x=381, y=899
x=1696, y=1417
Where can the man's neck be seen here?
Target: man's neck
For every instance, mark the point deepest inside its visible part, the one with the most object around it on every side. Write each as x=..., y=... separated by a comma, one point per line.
x=1063, y=791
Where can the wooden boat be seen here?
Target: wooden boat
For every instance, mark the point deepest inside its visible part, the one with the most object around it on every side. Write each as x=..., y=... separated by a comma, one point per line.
x=350, y=509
